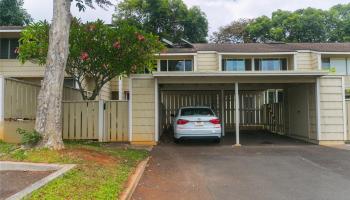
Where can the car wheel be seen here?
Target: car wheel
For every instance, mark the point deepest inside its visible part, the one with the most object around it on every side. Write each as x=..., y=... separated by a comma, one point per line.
x=176, y=141
x=218, y=140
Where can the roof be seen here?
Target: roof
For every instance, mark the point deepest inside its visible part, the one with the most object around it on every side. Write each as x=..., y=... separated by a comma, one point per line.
x=263, y=47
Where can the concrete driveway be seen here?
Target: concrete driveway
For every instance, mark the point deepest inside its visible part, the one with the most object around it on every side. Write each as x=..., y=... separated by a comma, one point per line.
x=212, y=171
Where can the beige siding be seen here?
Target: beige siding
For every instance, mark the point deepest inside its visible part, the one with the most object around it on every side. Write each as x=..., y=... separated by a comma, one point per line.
x=105, y=92
x=143, y=110
x=348, y=119
x=306, y=61
x=115, y=84
x=312, y=111
x=347, y=81
x=331, y=108
x=207, y=62
x=13, y=68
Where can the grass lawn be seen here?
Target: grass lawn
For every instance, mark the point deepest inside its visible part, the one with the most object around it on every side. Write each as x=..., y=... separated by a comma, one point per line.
x=100, y=173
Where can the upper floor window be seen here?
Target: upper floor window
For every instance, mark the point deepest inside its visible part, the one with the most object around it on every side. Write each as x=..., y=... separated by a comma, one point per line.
x=236, y=64
x=326, y=63
x=339, y=66
x=8, y=47
x=270, y=64
x=176, y=65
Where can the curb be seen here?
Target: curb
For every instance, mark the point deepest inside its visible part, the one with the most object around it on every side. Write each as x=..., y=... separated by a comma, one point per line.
x=62, y=169
x=134, y=180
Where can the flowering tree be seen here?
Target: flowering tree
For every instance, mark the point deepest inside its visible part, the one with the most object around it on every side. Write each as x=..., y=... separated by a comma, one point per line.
x=97, y=52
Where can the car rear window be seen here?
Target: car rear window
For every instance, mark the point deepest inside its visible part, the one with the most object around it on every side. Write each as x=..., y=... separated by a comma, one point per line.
x=196, y=111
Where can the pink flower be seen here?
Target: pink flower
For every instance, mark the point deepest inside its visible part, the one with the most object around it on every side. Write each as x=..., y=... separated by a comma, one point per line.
x=116, y=45
x=16, y=51
x=140, y=37
x=92, y=27
x=84, y=56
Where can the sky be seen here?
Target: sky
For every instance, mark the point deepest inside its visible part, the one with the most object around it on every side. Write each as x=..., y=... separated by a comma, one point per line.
x=219, y=12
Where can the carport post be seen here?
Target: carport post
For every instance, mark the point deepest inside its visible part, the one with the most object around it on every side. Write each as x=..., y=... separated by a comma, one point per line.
x=222, y=113
x=237, y=114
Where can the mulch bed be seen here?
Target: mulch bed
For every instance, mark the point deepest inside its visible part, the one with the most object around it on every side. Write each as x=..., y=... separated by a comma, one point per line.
x=12, y=182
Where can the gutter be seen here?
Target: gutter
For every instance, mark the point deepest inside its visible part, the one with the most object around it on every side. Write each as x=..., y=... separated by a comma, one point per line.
x=235, y=74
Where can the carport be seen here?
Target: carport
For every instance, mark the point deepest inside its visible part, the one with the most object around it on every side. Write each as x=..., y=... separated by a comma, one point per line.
x=254, y=105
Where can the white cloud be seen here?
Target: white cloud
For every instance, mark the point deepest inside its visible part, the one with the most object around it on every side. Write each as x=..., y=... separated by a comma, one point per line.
x=219, y=12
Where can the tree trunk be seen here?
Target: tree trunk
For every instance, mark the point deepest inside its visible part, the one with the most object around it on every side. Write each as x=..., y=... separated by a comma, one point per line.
x=48, y=117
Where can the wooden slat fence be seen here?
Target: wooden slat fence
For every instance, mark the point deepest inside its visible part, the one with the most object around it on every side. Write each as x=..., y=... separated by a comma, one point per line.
x=21, y=98
x=81, y=120
x=171, y=101
x=116, y=121
x=273, y=117
x=250, y=105
x=250, y=108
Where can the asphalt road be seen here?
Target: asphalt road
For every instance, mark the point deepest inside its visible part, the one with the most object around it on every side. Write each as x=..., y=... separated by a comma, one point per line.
x=267, y=171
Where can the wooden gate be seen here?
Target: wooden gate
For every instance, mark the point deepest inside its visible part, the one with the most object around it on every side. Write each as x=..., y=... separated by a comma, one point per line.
x=250, y=108
x=116, y=121
x=273, y=117
x=103, y=120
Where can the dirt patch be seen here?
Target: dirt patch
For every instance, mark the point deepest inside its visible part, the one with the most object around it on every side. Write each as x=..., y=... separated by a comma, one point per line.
x=12, y=182
x=90, y=155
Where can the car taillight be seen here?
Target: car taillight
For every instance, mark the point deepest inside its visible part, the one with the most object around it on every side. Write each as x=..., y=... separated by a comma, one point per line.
x=215, y=121
x=182, y=121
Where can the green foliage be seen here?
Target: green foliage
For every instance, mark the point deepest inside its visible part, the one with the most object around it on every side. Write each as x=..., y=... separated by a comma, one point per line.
x=12, y=13
x=235, y=32
x=6, y=148
x=90, y=179
x=97, y=53
x=29, y=138
x=170, y=19
x=303, y=25
x=34, y=43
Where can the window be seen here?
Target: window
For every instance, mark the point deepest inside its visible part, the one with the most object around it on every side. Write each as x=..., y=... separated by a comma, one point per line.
x=69, y=82
x=326, y=63
x=338, y=66
x=176, y=65
x=271, y=64
x=196, y=111
x=236, y=65
x=8, y=47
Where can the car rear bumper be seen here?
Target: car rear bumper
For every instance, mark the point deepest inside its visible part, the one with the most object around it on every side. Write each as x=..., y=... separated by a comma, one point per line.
x=200, y=133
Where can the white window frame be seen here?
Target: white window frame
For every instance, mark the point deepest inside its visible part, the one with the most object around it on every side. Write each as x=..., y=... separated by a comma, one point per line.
x=167, y=65
x=223, y=61
x=280, y=58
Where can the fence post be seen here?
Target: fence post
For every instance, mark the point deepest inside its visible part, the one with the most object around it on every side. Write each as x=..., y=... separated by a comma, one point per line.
x=2, y=98
x=2, y=106
x=101, y=129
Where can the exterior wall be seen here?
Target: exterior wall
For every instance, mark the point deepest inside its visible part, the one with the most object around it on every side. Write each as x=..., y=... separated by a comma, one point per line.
x=207, y=62
x=298, y=112
x=13, y=68
x=332, y=108
x=105, y=93
x=307, y=61
x=143, y=109
x=115, y=84
x=311, y=91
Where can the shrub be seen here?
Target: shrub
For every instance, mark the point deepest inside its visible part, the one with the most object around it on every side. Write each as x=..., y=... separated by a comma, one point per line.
x=29, y=138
